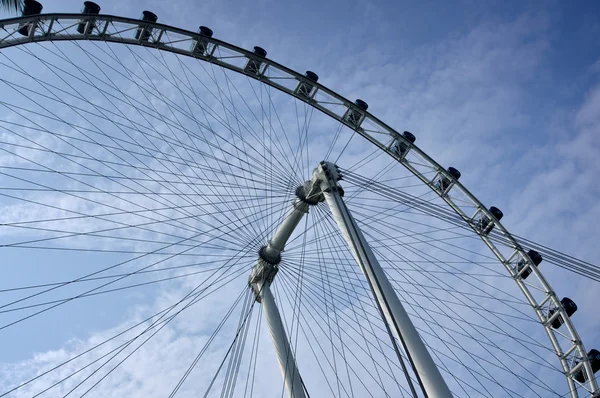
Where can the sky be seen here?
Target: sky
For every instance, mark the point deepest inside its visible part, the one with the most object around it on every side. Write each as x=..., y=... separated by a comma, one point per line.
x=508, y=93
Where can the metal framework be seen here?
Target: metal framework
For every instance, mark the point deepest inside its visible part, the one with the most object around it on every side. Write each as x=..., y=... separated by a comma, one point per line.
x=56, y=27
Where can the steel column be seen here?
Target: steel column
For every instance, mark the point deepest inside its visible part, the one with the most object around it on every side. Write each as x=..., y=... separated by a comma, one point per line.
x=395, y=314
x=287, y=362
x=261, y=277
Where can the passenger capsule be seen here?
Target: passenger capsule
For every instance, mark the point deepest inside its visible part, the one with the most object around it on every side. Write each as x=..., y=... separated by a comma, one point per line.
x=535, y=257
x=400, y=146
x=305, y=88
x=485, y=224
x=143, y=33
x=443, y=183
x=570, y=308
x=594, y=358
x=88, y=8
x=30, y=7
x=200, y=46
x=355, y=116
x=255, y=63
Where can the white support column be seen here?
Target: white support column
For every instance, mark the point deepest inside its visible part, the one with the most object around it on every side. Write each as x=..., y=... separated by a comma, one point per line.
x=287, y=362
x=285, y=230
x=396, y=316
x=261, y=277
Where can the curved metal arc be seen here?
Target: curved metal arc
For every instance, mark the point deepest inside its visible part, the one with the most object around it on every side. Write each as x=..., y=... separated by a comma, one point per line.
x=576, y=344
x=135, y=23
x=47, y=35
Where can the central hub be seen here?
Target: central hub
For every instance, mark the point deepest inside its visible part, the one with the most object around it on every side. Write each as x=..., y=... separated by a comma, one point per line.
x=324, y=179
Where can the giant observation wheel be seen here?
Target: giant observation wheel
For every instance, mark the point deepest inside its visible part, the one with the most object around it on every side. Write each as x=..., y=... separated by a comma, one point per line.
x=138, y=157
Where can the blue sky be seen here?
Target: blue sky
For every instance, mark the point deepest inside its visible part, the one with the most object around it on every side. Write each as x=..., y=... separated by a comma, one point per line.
x=507, y=92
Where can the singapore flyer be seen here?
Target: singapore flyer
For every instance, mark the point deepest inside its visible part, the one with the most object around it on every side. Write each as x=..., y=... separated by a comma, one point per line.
x=353, y=199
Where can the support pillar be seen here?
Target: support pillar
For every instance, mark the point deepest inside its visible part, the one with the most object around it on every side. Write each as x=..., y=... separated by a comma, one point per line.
x=287, y=362
x=394, y=312
x=261, y=277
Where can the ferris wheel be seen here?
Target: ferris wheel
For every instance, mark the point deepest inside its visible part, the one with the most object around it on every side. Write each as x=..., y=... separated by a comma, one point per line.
x=231, y=227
